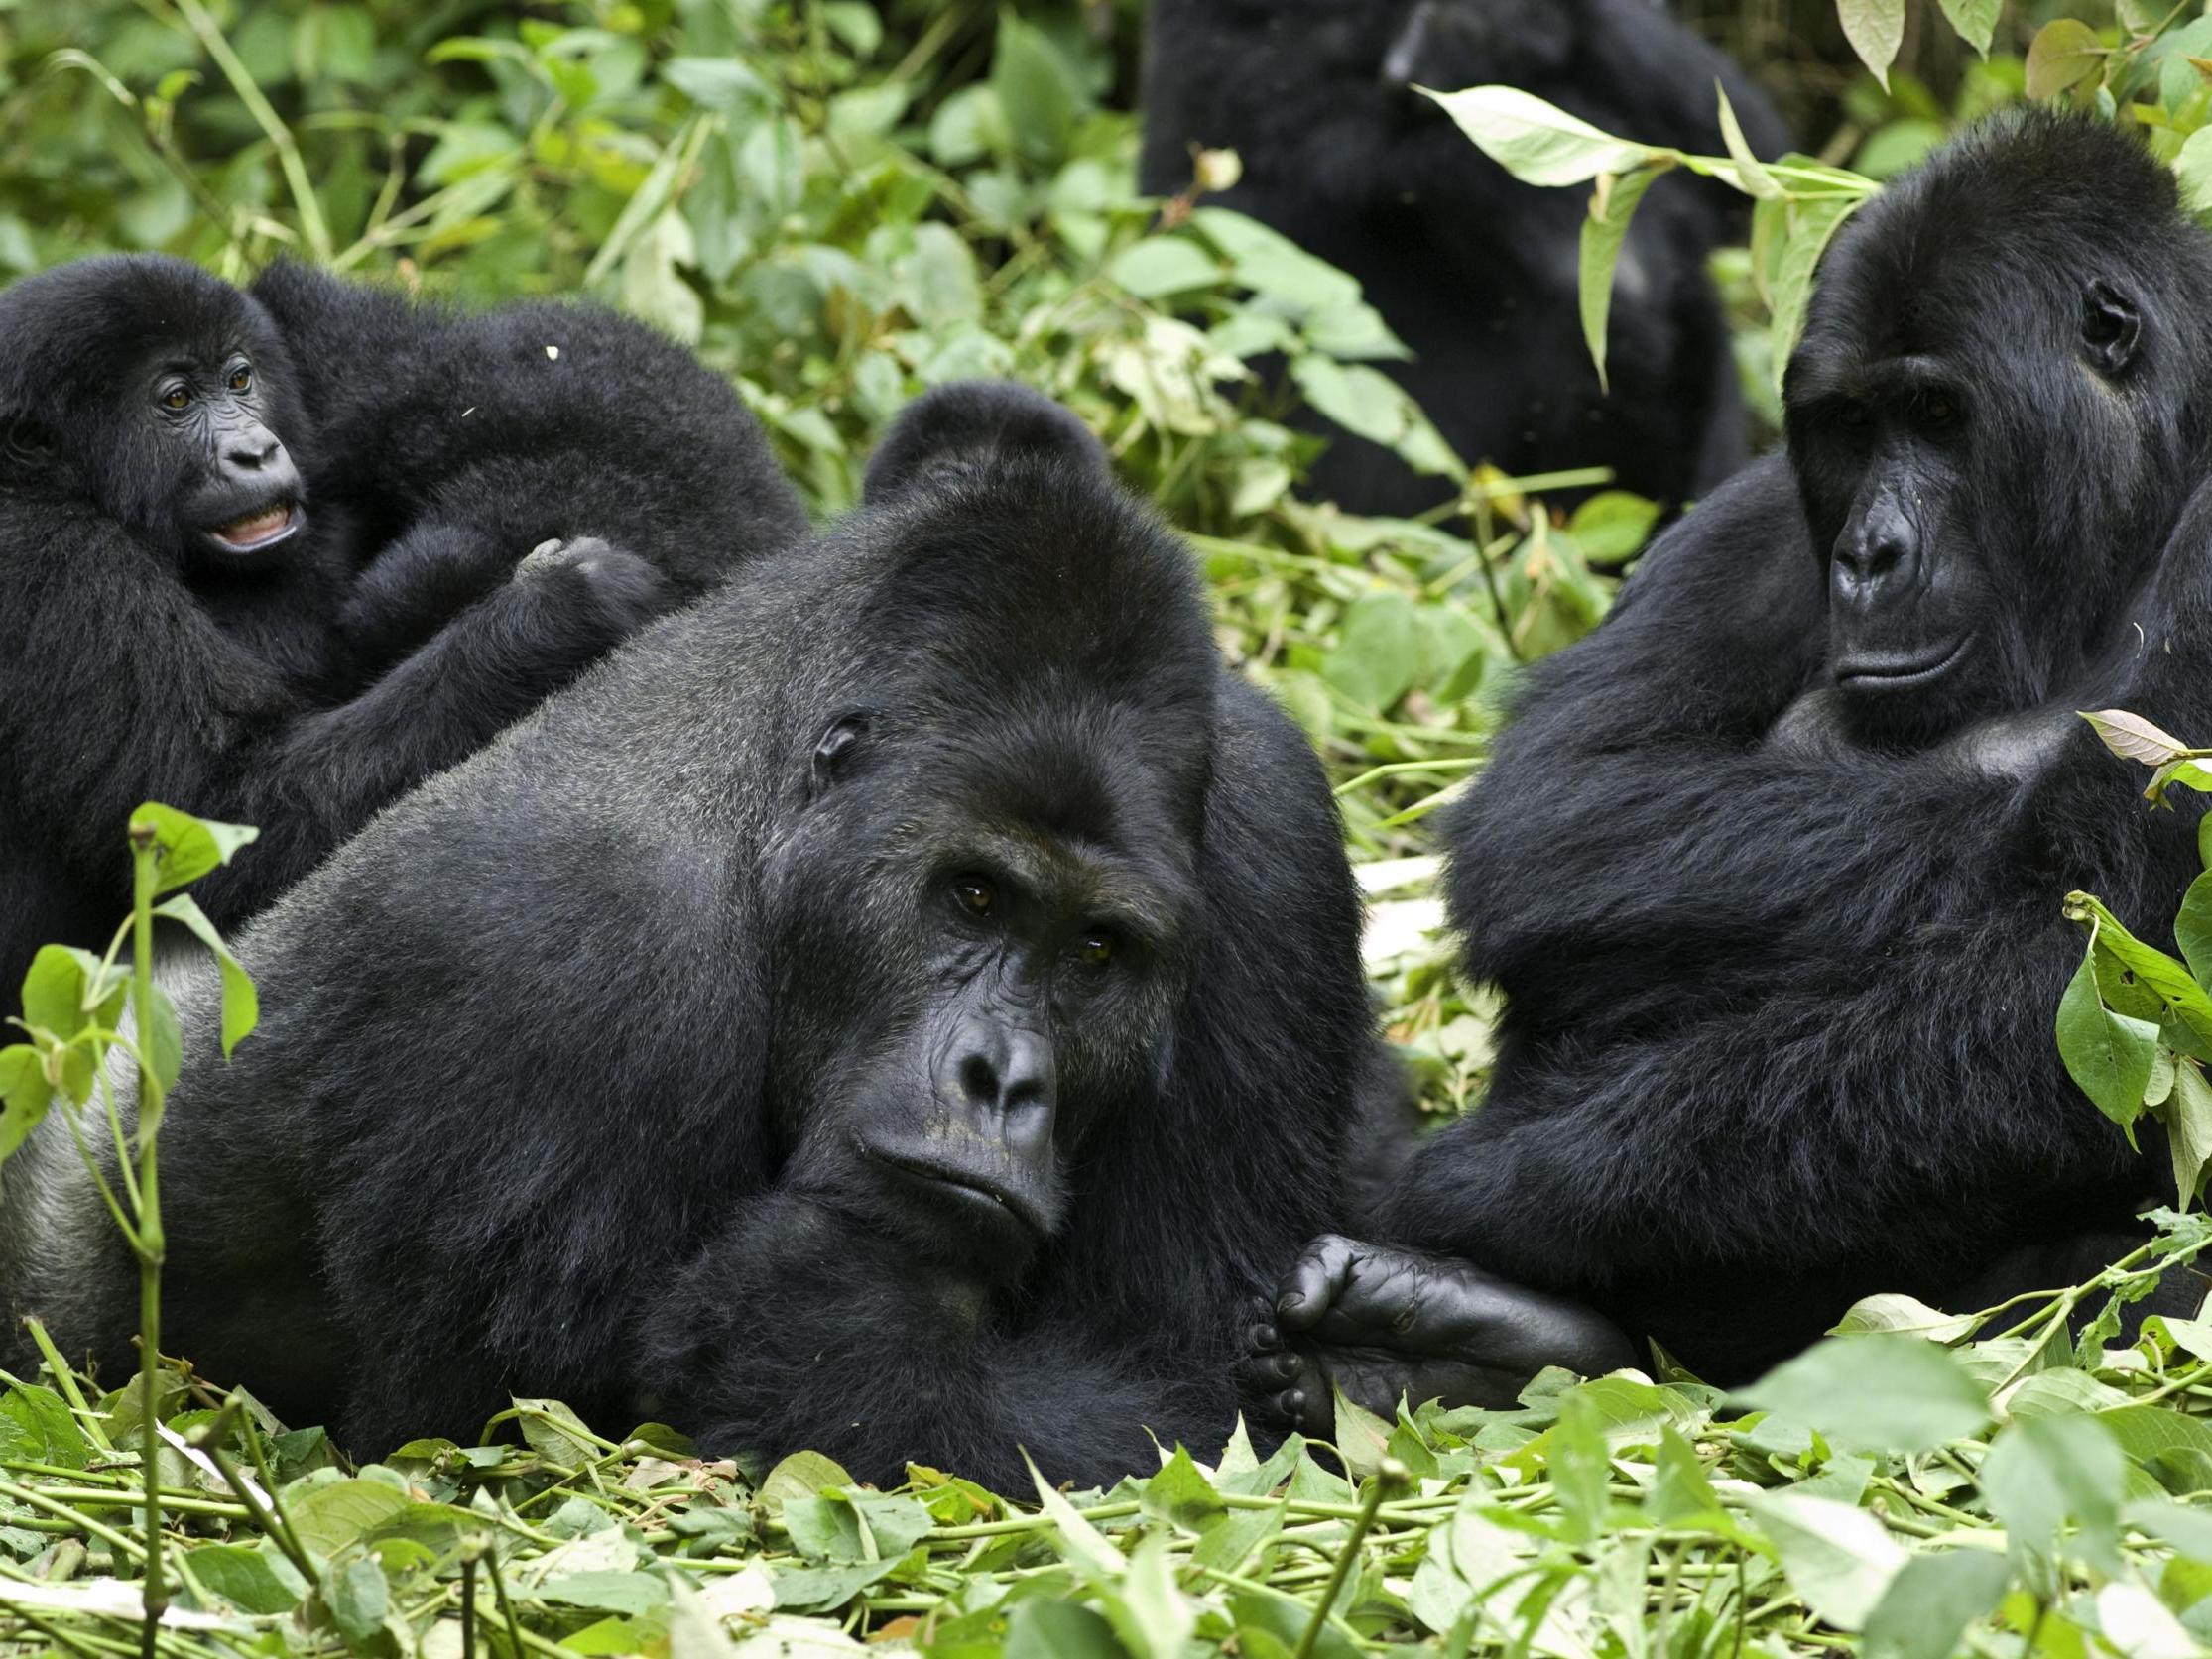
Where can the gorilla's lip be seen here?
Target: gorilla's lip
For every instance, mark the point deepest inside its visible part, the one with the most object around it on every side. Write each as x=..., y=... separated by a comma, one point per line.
x=263, y=527
x=1890, y=674
x=971, y=1187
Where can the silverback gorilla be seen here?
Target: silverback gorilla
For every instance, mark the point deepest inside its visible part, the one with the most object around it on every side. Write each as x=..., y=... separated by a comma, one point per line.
x=190, y=481
x=1474, y=272
x=904, y=1006
x=1769, y=866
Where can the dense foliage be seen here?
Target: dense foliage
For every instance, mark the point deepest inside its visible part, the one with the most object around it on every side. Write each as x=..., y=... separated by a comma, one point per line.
x=841, y=204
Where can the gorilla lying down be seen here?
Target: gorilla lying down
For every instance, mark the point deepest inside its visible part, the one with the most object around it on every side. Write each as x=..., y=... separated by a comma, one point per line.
x=904, y=1006
x=1769, y=867
x=266, y=554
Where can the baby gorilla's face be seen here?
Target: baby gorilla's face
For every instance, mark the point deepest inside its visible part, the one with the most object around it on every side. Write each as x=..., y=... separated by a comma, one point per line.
x=239, y=495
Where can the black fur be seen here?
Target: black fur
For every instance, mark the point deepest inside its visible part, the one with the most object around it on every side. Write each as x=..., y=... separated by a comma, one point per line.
x=583, y=1064
x=283, y=686
x=1782, y=954
x=1475, y=272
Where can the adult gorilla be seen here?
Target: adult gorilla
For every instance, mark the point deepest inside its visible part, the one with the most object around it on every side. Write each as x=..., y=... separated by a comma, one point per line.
x=903, y=1006
x=190, y=482
x=1475, y=272
x=1769, y=866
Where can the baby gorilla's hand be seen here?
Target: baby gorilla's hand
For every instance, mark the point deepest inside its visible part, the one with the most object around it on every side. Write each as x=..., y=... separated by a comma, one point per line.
x=1378, y=1321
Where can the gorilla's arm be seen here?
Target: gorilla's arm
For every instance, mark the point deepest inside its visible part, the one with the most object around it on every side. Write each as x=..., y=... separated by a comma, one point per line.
x=802, y=1327
x=469, y=439
x=156, y=702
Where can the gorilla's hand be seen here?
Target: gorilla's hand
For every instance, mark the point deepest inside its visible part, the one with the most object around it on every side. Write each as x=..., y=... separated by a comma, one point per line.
x=604, y=590
x=1379, y=1322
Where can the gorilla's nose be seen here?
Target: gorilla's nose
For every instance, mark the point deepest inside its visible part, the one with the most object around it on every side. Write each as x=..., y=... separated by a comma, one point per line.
x=253, y=448
x=1005, y=1078
x=1876, y=558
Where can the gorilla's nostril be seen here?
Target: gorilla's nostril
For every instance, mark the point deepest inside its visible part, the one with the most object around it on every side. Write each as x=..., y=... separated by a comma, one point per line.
x=979, y=1079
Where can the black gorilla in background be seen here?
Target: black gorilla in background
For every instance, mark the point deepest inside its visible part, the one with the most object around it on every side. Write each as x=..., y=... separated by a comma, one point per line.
x=190, y=481
x=904, y=1006
x=1769, y=866
x=1475, y=272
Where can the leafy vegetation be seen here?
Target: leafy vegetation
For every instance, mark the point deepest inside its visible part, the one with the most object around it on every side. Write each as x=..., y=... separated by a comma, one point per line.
x=841, y=204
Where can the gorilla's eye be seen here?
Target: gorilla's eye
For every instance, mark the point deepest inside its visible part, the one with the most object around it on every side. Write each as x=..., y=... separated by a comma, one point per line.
x=1097, y=949
x=1854, y=417
x=241, y=378
x=176, y=397
x=1938, y=410
x=977, y=896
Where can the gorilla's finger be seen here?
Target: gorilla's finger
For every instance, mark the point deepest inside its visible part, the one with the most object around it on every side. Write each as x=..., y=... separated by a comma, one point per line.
x=1315, y=1280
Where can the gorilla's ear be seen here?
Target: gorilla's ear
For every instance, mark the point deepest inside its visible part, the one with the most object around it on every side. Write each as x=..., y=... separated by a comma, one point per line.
x=975, y=422
x=2111, y=328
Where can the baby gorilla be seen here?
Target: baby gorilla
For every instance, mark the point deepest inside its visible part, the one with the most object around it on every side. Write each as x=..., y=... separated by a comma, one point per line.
x=903, y=1006
x=190, y=481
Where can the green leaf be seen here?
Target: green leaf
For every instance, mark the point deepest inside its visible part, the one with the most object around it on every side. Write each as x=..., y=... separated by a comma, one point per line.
x=1087, y=1549
x=1893, y=1311
x=1875, y=29
x=1377, y=652
x=2133, y=737
x=25, y=1095
x=2107, y=1056
x=2192, y=166
x=1369, y=402
x=605, y=1591
x=801, y=1475
x=2177, y=1450
x=1807, y=227
x=1876, y=1393
x=1751, y=174
x=249, y=1578
x=66, y=990
x=2188, y=1122
x=162, y=1041
x=1180, y=1495
x=36, y=1426
x=1038, y=93
x=1841, y=1560
x=2062, y=56
x=241, y=1002
x=2045, y=1473
x=1974, y=21
x=1270, y=263
x=1535, y=142
x=1681, y=1492
x=1040, y=1629
x=1612, y=207
x=189, y=847
x=328, y=1517
x=1928, y=1605
x=2186, y=1002
x=358, y=1598
x=723, y=84
x=1164, y=265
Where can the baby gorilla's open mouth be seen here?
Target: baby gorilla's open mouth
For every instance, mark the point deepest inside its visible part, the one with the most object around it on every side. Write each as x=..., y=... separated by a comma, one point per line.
x=258, y=528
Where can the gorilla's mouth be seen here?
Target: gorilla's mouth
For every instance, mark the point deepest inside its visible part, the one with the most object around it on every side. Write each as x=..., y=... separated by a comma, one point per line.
x=973, y=1190
x=1901, y=673
x=265, y=525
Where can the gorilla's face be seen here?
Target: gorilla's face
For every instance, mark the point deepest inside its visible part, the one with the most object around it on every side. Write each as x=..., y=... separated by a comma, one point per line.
x=980, y=939
x=169, y=414
x=1965, y=483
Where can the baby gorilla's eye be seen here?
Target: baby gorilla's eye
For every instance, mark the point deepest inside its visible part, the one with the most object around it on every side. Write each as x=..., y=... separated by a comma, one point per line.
x=1854, y=417
x=241, y=378
x=1096, y=950
x=977, y=896
x=176, y=397
x=1938, y=410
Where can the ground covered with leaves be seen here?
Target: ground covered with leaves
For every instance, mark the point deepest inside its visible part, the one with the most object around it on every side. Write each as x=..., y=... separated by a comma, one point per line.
x=1903, y=1489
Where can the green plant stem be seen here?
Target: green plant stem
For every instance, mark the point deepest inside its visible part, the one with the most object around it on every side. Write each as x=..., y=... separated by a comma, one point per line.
x=303, y=198
x=1390, y=1474
x=65, y=1382
x=150, y=1241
